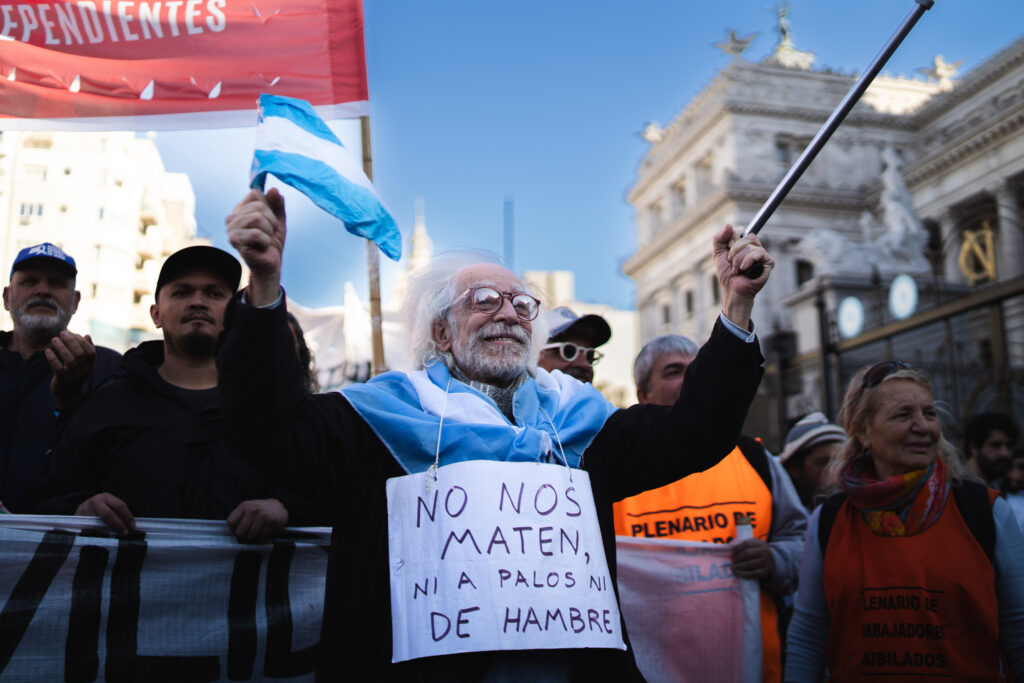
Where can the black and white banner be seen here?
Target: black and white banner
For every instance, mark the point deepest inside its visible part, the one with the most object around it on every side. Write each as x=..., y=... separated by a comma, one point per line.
x=177, y=600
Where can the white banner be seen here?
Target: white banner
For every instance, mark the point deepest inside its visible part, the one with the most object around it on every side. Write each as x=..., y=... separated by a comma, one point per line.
x=689, y=619
x=497, y=556
x=176, y=600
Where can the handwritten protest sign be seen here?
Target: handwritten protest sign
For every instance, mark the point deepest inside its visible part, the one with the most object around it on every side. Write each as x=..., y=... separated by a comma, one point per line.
x=497, y=556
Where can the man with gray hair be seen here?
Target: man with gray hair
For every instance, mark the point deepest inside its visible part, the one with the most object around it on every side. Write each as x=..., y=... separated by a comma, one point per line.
x=44, y=368
x=383, y=455
x=707, y=506
x=660, y=366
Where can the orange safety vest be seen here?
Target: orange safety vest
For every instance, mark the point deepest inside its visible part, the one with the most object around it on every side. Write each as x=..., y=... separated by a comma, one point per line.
x=910, y=608
x=704, y=507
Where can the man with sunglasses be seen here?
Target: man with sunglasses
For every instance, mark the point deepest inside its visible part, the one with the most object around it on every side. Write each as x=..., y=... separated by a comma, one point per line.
x=478, y=404
x=572, y=343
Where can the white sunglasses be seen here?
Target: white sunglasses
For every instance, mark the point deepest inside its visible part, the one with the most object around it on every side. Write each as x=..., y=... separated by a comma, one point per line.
x=569, y=351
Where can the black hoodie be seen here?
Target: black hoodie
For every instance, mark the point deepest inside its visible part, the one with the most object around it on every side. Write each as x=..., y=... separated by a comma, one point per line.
x=28, y=419
x=156, y=446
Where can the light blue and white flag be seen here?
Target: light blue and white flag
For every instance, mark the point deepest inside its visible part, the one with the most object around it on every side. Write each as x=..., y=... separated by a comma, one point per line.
x=296, y=146
x=555, y=415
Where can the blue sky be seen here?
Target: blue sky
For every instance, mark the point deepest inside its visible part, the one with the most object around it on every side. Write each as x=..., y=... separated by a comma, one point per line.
x=473, y=102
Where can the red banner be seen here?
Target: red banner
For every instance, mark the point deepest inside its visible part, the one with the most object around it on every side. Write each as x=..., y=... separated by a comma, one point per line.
x=172, y=64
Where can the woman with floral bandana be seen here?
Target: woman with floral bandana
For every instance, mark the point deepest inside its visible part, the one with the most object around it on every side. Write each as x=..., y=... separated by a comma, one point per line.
x=899, y=579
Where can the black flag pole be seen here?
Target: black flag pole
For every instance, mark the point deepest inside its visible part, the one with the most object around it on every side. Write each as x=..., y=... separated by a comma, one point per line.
x=829, y=127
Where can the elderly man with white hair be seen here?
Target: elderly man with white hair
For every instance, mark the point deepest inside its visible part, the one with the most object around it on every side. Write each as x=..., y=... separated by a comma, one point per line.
x=399, y=456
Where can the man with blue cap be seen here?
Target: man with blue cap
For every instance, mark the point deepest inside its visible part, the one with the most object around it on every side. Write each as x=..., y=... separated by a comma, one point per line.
x=44, y=368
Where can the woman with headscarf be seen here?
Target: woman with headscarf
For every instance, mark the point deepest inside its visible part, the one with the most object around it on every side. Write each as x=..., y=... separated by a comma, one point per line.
x=914, y=571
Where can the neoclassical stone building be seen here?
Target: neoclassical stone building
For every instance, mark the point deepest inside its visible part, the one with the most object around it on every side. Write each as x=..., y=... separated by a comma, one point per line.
x=923, y=178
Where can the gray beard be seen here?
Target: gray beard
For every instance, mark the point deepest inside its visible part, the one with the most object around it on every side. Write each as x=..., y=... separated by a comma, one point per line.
x=499, y=369
x=42, y=326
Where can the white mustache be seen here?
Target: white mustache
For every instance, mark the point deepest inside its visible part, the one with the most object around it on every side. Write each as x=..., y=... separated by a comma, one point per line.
x=492, y=330
x=41, y=301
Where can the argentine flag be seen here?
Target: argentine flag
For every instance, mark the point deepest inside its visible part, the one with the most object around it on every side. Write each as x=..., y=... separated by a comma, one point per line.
x=296, y=146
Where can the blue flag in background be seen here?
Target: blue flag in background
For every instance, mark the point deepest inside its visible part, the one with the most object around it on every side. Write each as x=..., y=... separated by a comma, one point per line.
x=296, y=146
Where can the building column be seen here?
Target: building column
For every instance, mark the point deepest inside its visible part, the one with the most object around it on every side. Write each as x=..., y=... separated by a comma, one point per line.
x=677, y=314
x=1010, y=242
x=643, y=310
x=705, y=298
x=950, y=247
x=1009, y=247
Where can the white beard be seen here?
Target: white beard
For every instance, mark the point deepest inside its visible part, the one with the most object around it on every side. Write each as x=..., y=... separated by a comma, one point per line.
x=42, y=324
x=489, y=364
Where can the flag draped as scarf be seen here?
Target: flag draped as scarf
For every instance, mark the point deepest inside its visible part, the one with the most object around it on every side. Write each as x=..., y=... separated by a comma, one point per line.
x=404, y=410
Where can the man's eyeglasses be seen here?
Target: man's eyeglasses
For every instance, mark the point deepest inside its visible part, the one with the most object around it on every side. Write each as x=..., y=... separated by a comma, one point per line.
x=490, y=300
x=876, y=373
x=569, y=351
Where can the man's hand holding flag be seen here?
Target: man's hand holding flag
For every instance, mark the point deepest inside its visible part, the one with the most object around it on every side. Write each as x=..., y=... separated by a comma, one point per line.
x=296, y=146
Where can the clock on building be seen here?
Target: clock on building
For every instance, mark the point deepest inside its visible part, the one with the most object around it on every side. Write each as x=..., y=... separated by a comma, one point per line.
x=850, y=317
x=902, y=297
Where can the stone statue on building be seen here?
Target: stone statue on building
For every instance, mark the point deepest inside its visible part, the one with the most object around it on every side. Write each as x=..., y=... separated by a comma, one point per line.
x=785, y=53
x=942, y=72
x=895, y=242
x=785, y=37
x=904, y=239
x=652, y=132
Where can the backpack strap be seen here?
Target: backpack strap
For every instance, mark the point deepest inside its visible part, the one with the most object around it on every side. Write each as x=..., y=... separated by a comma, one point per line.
x=827, y=517
x=975, y=503
x=972, y=499
x=755, y=454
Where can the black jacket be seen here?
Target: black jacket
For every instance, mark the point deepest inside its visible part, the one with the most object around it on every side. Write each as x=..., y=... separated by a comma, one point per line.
x=28, y=417
x=342, y=464
x=156, y=446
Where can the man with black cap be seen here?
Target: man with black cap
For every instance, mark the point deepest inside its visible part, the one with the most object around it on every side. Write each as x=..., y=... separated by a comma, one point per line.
x=151, y=442
x=43, y=367
x=572, y=343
